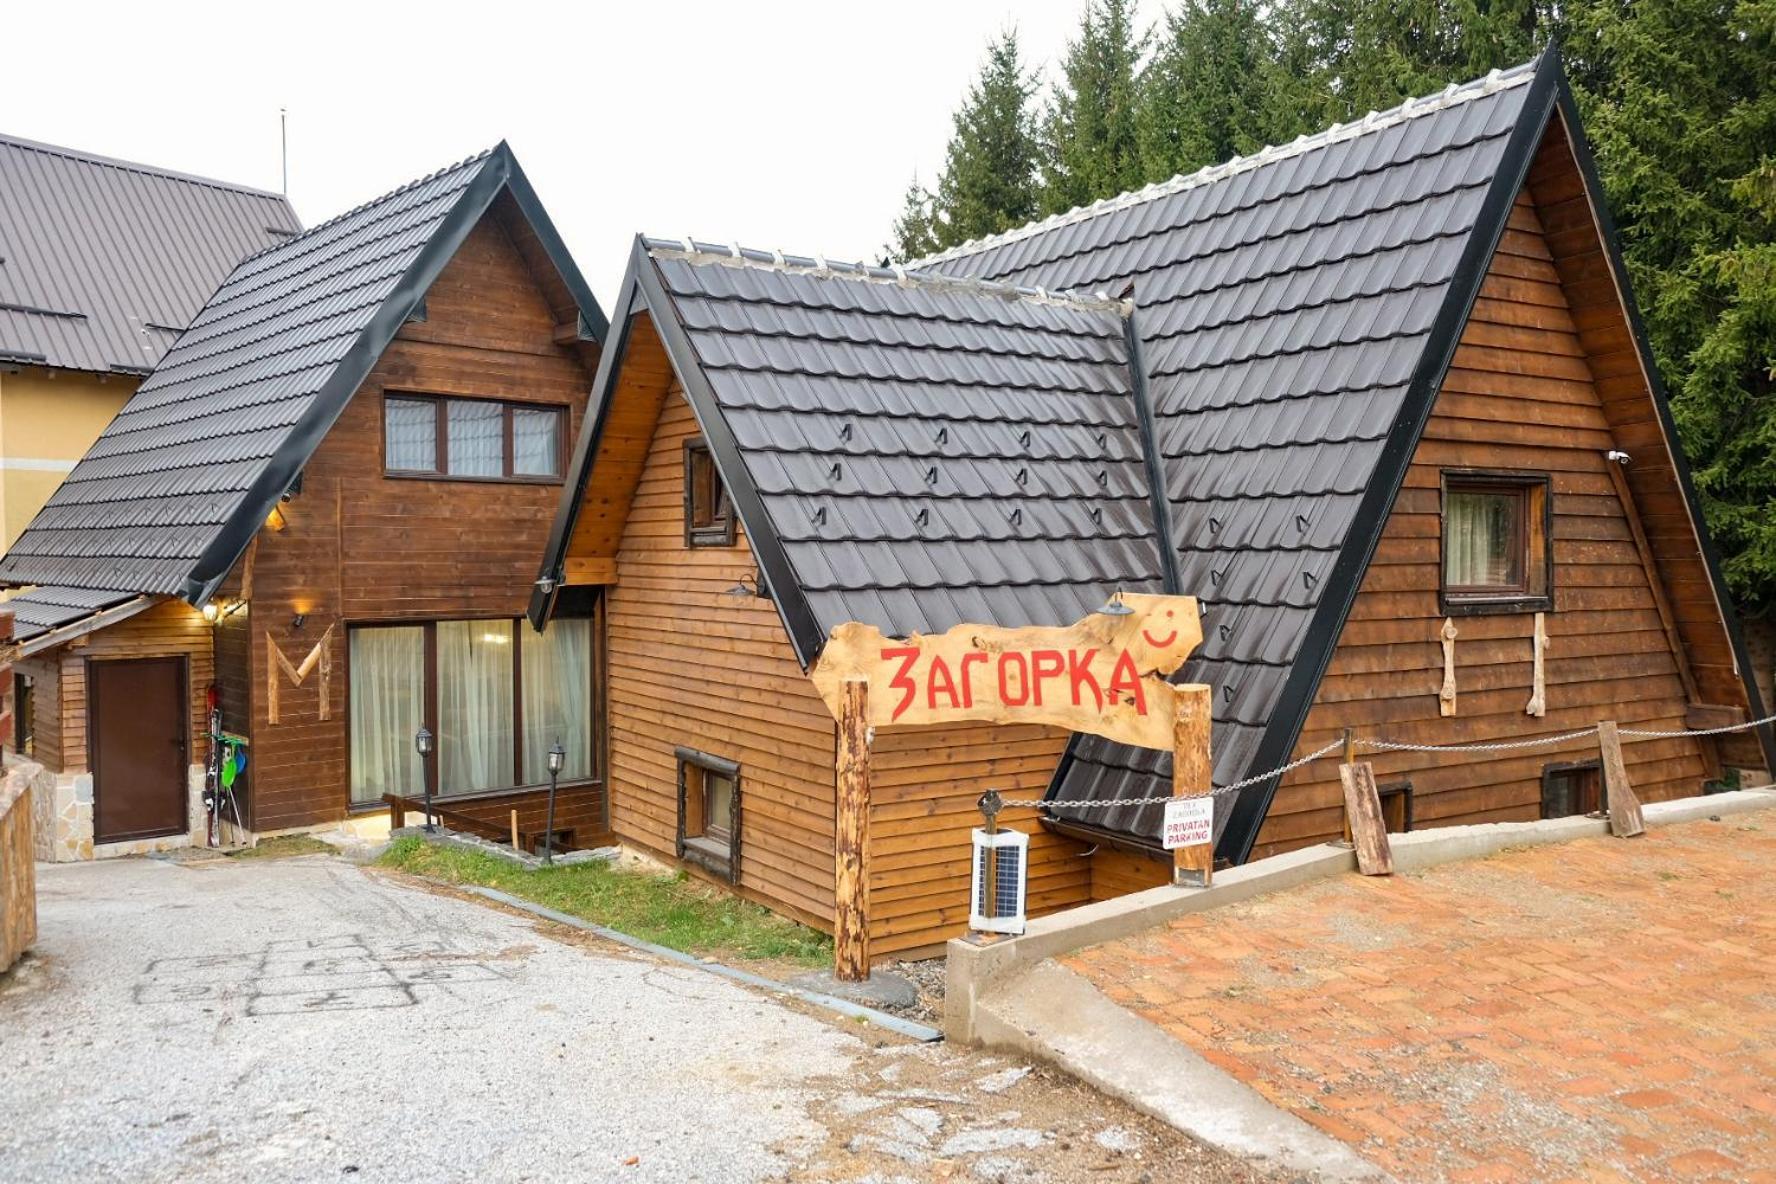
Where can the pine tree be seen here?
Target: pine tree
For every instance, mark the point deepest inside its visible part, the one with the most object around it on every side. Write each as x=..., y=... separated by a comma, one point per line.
x=988, y=182
x=1089, y=136
x=1214, y=89
x=915, y=230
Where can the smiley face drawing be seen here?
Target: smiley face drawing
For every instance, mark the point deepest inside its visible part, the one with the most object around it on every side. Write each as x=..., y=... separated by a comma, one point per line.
x=1160, y=633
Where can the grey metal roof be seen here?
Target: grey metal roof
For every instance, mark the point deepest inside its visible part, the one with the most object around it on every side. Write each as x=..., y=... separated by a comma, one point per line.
x=926, y=452
x=42, y=609
x=170, y=493
x=1287, y=302
x=103, y=262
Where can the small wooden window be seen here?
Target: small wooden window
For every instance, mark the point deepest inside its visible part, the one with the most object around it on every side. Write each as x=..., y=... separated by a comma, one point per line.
x=709, y=812
x=1575, y=788
x=1496, y=554
x=1396, y=806
x=23, y=742
x=709, y=515
x=472, y=439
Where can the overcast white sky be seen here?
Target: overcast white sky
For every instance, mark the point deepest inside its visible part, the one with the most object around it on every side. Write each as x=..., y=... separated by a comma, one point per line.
x=774, y=124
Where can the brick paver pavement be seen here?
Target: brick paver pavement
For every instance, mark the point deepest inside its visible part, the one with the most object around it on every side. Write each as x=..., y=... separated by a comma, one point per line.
x=1603, y=1010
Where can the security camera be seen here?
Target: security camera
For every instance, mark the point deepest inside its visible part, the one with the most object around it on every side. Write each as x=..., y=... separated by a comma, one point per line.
x=1616, y=455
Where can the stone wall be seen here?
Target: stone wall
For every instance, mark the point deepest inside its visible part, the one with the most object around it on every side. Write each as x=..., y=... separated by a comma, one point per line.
x=62, y=817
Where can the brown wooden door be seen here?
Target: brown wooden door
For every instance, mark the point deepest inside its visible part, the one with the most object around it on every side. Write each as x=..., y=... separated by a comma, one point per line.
x=136, y=710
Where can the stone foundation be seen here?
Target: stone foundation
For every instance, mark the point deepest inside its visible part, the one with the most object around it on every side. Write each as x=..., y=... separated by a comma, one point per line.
x=62, y=817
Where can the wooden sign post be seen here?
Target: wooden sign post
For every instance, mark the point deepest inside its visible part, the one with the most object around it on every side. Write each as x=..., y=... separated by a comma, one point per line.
x=1192, y=810
x=1105, y=675
x=851, y=837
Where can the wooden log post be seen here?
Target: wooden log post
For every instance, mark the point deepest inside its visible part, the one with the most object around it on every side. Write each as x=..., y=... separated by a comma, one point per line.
x=1362, y=812
x=1624, y=808
x=851, y=837
x=1193, y=865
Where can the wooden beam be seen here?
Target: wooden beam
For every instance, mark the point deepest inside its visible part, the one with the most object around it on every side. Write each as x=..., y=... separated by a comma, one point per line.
x=567, y=332
x=1362, y=805
x=1538, y=696
x=1624, y=807
x=851, y=836
x=589, y=571
x=1712, y=715
x=1191, y=769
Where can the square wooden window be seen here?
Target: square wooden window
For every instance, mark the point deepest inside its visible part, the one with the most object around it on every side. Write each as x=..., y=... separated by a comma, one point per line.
x=709, y=812
x=1573, y=788
x=472, y=439
x=709, y=515
x=1496, y=546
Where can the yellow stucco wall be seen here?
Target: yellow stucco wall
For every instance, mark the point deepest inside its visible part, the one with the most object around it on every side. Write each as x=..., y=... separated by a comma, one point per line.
x=46, y=424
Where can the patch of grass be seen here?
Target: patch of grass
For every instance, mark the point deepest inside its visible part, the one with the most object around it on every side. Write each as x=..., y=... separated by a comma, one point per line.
x=671, y=910
x=284, y=847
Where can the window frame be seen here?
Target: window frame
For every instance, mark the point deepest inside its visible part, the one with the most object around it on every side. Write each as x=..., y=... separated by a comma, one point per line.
x=441, y=439
x=721, y=529
x=697, y=848
x=1567, y=768
x=1534, y=540
x=429, y=716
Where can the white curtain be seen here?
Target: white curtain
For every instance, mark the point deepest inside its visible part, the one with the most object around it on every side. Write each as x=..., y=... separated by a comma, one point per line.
x=474, y=705
x=558, y=699
x=475, y=438
x=410, y=427
x=1480, y=540
x=536, y=442
x=387, y=708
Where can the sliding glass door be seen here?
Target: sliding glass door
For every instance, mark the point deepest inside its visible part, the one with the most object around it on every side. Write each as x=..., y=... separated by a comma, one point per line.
x=496, y=694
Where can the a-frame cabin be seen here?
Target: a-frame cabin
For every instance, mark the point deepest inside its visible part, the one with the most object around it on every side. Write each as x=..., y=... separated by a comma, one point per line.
x=1353, y=393
x=320, y=516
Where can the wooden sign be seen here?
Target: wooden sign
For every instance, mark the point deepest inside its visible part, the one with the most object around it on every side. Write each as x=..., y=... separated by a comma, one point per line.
x=1104, y=675
x=321, y=655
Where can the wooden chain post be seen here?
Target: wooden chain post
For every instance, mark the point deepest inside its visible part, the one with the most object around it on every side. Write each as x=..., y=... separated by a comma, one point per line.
x=851, y=837
x=1191, y=771
x=1624, y=808
x=1350, y=758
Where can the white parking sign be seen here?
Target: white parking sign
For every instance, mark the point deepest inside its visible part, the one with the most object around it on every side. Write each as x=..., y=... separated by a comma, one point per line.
x=1189, y=822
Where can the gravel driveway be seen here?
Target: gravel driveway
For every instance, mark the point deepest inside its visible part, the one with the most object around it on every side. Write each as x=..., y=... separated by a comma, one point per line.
x=309, y=1020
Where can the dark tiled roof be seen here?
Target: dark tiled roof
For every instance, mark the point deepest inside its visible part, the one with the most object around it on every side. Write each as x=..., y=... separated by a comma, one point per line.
x=927, y=452
x=103, y=262
x=41, y=609
x=1286, y=302
x=170, y=493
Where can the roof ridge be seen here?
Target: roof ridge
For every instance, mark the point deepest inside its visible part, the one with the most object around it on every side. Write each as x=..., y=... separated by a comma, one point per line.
x=365, y=205
x=1451, y=95
x=136, y=166
x=734, y=255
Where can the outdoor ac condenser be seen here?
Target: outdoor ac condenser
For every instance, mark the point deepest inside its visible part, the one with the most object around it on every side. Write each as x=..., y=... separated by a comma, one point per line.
x=1001, y=874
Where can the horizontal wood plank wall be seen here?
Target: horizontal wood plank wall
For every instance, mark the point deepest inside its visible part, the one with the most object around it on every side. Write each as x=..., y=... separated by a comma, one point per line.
x=578, y=808
x=1117, y=873
x=1602, y=326
x=45, y=673
x=170, y=629
x=360, y=546
x=1520, y=396
x=925, y=783
x=693, y=667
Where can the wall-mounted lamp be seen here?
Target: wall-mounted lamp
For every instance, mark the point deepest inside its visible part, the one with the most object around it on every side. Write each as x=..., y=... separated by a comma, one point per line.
x=1616, y=455
x=748, y=588
x=211, y=612
x=275, y=521
x=298, y=621
x=215, y=614
x=1114, y=607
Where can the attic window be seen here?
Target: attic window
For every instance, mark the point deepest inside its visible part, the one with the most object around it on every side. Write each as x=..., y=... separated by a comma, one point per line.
x=709, y=515
x=472, y=439
x=1496, y=546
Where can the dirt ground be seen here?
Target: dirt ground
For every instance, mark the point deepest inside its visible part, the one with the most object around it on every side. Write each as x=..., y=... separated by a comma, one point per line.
x=1597, y=1011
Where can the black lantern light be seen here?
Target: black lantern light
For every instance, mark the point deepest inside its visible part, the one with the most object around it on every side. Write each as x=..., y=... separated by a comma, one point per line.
x=557, y=758
x=422, y=744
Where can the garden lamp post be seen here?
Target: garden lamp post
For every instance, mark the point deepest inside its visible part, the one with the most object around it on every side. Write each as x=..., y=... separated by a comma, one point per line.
x=422, y=744
x=557, y=758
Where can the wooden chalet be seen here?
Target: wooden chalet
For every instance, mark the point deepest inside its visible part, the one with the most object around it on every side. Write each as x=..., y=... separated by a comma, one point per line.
x=1378, y=398
x=324, y=508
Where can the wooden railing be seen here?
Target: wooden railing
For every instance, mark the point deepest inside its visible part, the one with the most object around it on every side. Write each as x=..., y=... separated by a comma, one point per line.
x=528, y=840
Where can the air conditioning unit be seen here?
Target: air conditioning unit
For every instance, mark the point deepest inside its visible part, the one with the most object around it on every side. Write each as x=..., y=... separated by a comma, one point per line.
x=1001, y=876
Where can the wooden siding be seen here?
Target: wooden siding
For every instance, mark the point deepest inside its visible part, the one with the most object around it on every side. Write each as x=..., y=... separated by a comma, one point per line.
x=45, y=673
x=1520, y=395
x=578, y=808
x=360, y=546
x=690, y=666
x=1117, y=873
x=924, y=786
x=169, y=629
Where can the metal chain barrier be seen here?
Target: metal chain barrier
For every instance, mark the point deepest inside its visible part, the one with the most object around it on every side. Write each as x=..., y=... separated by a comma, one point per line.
x=1384, y=746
